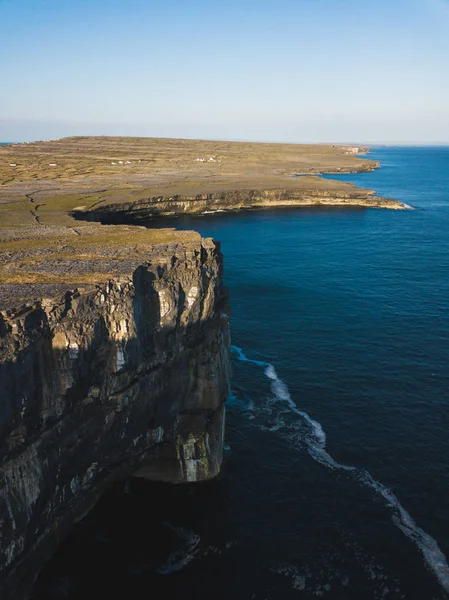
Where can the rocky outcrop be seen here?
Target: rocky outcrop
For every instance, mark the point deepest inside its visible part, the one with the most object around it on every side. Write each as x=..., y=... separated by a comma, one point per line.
x=231, y=200
x=100, y=381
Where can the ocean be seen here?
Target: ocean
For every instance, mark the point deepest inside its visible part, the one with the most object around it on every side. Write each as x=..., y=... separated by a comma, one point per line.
x=336, y=479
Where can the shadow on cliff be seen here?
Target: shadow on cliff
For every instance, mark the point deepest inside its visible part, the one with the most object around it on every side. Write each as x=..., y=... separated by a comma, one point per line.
x=121, y=217
x=84, y=403
x=141, y=538
x=144, y=217
x=42, y=383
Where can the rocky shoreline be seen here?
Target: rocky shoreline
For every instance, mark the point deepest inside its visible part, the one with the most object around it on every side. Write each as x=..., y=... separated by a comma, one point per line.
x=160, y=206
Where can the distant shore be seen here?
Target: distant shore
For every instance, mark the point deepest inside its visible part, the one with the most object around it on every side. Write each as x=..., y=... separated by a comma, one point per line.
x=53, y=193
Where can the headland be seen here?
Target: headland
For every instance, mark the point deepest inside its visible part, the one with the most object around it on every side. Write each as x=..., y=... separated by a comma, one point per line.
x=114, y=338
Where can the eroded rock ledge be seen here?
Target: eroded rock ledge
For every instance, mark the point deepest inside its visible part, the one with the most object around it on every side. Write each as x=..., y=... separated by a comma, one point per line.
x=234, y=200
x=124, y=372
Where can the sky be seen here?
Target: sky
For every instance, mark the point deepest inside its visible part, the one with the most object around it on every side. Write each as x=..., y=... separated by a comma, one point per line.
x=268, y=70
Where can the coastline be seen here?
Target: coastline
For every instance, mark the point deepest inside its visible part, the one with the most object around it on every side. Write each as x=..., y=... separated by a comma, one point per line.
x=82, y=174
x=95, y=318
x=124, y=181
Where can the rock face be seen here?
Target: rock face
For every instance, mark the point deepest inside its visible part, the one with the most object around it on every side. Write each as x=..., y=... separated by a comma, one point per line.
x=128, y=376
x=232, y=201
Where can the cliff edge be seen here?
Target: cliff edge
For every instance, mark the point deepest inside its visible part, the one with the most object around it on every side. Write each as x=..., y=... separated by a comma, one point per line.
x=114, y=361
x=61, y=181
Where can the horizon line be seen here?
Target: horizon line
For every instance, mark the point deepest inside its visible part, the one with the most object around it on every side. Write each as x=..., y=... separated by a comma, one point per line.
x=247, y=140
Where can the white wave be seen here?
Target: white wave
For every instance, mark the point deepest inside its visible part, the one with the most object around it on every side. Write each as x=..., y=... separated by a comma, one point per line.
x=242, y=356
x=276, y=427
x=234, y=400
x=183, y=556
x=315, y=441
x=278, y=387
x=402, y=519
x=316, y=438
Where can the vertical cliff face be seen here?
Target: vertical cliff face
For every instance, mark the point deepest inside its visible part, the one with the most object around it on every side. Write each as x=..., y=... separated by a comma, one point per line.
x=126, y=376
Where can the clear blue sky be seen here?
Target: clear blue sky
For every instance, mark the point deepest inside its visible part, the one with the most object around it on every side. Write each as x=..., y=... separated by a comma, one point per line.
x=281, y=70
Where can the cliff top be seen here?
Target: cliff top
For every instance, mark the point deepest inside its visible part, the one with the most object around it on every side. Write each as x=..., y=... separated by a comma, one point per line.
x=44, y=185
x=44, y=262
x=41, y=182
x=124, y=159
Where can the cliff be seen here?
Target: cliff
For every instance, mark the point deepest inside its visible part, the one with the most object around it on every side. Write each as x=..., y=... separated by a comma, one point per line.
x=124, y=371
x=114, y=340
x=181, y=204
x=52, y=183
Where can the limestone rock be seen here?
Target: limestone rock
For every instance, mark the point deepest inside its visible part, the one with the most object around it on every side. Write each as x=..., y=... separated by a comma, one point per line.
x=124, y=376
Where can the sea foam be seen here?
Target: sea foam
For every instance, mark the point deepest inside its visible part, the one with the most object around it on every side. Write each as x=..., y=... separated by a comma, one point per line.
x=315, y=440
x=184, y=555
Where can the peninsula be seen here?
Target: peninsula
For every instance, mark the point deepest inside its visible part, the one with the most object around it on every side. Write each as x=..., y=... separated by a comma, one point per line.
x=90, y=178
x=114, y=338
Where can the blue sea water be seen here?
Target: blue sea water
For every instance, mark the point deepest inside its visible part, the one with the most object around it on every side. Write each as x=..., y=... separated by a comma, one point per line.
x=336, y=484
